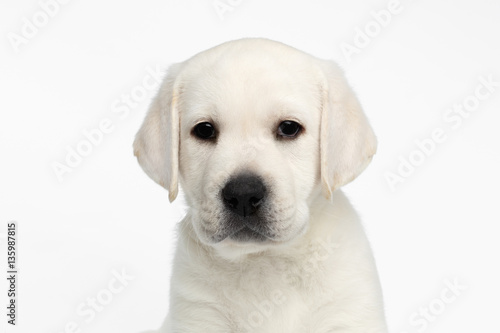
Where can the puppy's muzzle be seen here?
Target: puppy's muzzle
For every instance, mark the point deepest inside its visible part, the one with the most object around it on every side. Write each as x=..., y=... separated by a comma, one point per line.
x=244, y=194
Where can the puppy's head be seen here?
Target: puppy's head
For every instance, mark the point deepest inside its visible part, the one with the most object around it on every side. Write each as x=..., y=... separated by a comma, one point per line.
x=251, y=129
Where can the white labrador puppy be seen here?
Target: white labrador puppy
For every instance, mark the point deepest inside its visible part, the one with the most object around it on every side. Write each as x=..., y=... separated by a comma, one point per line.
x=260, y=137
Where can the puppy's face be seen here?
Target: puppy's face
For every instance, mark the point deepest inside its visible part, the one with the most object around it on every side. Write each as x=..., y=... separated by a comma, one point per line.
x=249, y=147
x=253, y=128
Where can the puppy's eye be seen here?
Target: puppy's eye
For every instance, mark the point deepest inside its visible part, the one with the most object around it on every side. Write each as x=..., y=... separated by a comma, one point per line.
x=204, y=131
x=289, y=129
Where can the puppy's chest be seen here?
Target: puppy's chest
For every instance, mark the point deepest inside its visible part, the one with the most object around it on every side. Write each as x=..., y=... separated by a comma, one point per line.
x=275, y=296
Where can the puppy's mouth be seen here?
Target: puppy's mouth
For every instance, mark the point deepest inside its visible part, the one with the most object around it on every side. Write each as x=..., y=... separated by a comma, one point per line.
x=246, y=234
x=245, y=229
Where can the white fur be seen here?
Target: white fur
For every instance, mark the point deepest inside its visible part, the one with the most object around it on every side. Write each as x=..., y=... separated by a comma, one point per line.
x=315, y=272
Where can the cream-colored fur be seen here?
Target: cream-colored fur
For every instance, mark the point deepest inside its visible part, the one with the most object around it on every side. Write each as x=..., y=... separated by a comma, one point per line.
x=314, y=272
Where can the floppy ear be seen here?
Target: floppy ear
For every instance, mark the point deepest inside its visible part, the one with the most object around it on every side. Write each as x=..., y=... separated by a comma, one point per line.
x=347, y=142
x=156, y=143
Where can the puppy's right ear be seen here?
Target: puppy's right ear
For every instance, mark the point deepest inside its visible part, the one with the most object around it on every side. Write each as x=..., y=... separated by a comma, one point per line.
x=156, y=144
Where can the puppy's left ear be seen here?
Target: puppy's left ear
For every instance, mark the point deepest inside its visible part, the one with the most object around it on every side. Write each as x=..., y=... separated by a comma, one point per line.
x=347, y=141
x=156, y=144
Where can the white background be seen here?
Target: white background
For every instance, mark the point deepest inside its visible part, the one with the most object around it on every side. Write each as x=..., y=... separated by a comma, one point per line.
x=106, y=216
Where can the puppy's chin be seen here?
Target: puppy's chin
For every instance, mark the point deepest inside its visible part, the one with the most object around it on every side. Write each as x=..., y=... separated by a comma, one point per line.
x=234, y=250
x=245, y=242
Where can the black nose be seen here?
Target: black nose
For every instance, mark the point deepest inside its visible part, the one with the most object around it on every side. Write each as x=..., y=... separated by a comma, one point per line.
x=244, y=194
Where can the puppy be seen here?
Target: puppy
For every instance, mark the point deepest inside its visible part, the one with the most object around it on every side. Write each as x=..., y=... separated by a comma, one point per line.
x=260, y=136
